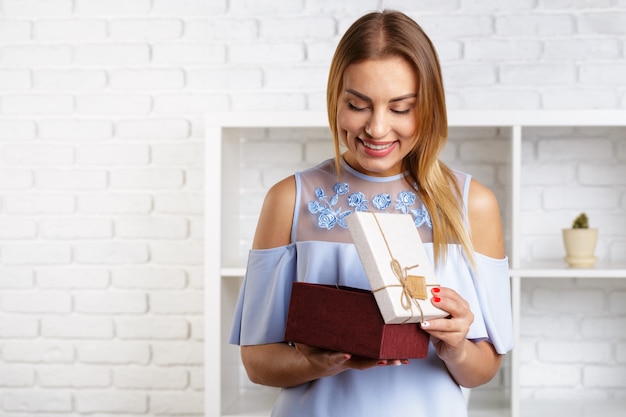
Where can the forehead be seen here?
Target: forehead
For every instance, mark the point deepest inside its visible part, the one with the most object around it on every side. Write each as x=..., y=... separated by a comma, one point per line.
x=382, y=76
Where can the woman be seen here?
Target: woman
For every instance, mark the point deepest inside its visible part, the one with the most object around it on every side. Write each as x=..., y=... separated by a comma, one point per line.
x=386, y=109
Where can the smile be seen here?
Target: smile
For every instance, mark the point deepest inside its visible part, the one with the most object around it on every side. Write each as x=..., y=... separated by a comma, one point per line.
x=377, y=147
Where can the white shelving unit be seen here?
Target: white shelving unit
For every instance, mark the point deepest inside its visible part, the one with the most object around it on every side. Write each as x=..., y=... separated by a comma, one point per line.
x=225, y=395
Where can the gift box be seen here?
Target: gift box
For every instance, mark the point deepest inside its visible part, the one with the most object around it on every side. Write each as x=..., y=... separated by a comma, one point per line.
x=396, y=265
x=348, y=320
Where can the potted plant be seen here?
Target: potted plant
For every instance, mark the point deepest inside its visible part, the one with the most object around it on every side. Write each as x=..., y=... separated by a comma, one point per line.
x=580, y=243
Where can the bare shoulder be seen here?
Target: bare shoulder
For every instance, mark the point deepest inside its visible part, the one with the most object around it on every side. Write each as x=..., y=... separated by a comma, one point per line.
x=484, y=219
x=276, y=218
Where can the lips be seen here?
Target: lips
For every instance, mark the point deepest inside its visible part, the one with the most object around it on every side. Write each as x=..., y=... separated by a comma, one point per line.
x=377, y=147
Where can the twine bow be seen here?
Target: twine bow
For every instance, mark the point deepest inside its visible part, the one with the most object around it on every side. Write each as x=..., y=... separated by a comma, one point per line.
x=413, y=287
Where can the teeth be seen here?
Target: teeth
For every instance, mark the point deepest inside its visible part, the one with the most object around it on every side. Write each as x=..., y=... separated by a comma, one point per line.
x=377, y=147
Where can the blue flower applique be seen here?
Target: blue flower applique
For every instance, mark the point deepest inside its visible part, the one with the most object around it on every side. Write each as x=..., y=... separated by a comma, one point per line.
x=404, y=200
x=358, y=201
x=422, y=217
x=381, y=201
x=329, y=216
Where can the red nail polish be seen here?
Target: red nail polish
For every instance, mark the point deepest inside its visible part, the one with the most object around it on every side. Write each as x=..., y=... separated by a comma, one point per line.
x=436, y=290
x=436, y=299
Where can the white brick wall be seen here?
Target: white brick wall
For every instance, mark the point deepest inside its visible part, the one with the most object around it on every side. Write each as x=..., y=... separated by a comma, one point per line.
x=101, y=185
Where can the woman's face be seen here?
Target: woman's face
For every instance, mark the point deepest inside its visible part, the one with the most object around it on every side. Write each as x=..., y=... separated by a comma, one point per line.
x=376, y=115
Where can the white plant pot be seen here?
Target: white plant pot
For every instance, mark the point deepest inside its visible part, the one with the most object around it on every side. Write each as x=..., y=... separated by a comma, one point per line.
x=580, y=246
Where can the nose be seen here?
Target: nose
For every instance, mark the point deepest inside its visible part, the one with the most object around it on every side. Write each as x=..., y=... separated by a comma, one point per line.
x=377, y=125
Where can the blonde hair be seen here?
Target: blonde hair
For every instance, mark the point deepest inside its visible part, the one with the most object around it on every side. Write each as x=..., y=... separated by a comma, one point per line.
x=386, y=34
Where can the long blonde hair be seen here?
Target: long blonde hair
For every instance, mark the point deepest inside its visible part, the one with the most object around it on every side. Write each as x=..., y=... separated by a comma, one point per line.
x=380, y=35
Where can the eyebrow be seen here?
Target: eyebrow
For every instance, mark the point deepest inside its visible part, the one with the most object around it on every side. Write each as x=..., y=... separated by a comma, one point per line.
x=393, y=100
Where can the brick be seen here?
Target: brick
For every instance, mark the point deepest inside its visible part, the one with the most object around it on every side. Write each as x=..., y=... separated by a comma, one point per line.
x=38, y=352
x=147, y=79
x=15, y=30
x=35, y=253
x=12, y=376
x=497, y=5
x=178, y=353
x=501, y=98
x=52, y=30
x=502, y=50
x=37, y=8
x=76, y=327
x=620, y=352
x=153, y=129
x=16, y=277
x=297, y=28
x=113, y=154
x=112, y=54
x=15, y=179
x=181, y=154
x=266, y=53
x=270, y=102
x=37, y=302
x=110, y=302
x=74, y=179
x=111, y=402
x=602, y=174
x=114, y=203
x=603, y=74
x=176, y=253
x=179, y=203
x=17, y=129
x=617, y=249
x=574, y=352
x=190, y=103
x=189, y=7
x=57, y=376
x=73, y=278
x=605, y=376
x=221, y=29
x=455, y=26
x=580, y=198
x=39, y=154
x=65, y=79
x=145, y=30
x=570, y=99
x=114, y=104
x=469, y=75
x=225, y=79
x=549, y=174
x=37, y=104
x=152, y=379
x=188, y=54
x=197, y=328
x=570, y=149
x=112, y=7
x=152, y=179
x=559, y=328
x=612, y=23
x=581, y=49
x=617, y=302
x=15, y=79
x=535, y=24
x=537, y=74
x=547, y=375
x=264, y=7
x=18, y=326
x=174, y=403
x=176, y=302
x=148, y=278
x=113, y=252
x=563, y=300
x=158, y=328
x=152, y=227
x=18, y=229
x=76, y=129
x=117, y=352
x=37, y=55
x=296, y=79
x=603, y=328
x=37, y=400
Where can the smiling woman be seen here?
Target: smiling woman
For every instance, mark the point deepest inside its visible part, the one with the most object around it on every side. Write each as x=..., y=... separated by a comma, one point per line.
x=386, y=107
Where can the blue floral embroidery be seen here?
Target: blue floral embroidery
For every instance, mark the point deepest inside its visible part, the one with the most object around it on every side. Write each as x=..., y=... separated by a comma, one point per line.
x=329, y=216
x=358, y=201
x=381, y=201
x=404, y=200
x=422, y=216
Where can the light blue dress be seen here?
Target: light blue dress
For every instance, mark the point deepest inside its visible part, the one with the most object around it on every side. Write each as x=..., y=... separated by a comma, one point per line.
x=321, y=252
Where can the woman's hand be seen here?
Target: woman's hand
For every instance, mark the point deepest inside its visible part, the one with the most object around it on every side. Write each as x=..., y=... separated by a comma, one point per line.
x=449, y=335
x=329, y=363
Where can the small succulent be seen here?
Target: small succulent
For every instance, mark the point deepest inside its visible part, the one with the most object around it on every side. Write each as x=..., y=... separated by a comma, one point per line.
x=581, y=222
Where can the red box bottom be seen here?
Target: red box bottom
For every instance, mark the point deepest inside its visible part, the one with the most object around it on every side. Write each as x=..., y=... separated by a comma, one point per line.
x=348, y=320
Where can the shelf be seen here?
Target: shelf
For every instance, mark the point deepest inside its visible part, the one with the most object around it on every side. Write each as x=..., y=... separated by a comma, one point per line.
x=573, y=408
x=559, y=269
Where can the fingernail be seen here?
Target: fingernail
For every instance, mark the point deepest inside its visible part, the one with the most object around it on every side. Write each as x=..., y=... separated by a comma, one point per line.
x=381, y=363
x=436, y=290
x=425, y=324
x=436, y=299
